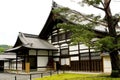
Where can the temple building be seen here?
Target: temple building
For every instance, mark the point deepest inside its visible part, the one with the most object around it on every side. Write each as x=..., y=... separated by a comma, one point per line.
x=53, y=46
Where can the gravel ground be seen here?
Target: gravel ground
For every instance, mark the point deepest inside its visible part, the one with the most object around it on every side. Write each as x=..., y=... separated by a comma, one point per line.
x=13, y=76
x=8, y=76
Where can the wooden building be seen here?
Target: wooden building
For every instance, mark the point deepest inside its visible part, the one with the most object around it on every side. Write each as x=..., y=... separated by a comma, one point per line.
x=71, y=57
x=36, y=53
x=7, y=61
x=53, y=45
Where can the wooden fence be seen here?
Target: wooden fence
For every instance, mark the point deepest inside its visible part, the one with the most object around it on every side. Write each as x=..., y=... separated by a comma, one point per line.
x=85, y=65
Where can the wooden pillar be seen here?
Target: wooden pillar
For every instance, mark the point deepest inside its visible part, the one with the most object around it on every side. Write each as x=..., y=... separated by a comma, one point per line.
x=69, y=55
x=17, y=61
x=27, y=63
x=48, y=54
x=24, y=62
x=60, y=54
x=28, y=57
x=79, y=54
x=36, y=59
x=9, y=64
x=90, y=59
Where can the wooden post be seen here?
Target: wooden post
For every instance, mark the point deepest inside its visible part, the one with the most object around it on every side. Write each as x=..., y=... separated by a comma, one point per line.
x=30, y=76
x=9, y=65
x=79, y=56
x=90, y=59
x=16, y=63
x=27, y=67
x=15, y=78
x=41, y=75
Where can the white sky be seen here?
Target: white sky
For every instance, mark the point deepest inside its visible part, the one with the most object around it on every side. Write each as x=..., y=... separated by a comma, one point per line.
x=29, y=16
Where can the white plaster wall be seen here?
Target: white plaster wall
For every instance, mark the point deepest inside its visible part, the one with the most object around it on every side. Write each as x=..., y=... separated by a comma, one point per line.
x=13, y=65
x=7, y=56
x=83, y=51
x=83, y=46
x=42, y=61
x=75, y=47
x=32, y=52
x=62, y=41
x=65, y=61
x=75, y=58
x=106, y=64
x=19, y=66
x=42, y=52
x=57, y=46
x=57, y=54
x=6, y=65
x=56, y=59
x=74, y=52
x=64, y=45
x=92, y=50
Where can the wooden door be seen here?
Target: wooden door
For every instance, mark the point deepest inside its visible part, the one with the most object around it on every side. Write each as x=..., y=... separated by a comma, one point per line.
x=1, y=66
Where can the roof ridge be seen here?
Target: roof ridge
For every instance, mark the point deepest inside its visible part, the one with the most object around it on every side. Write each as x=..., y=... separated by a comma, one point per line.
x=23, y=38
x=30, y=35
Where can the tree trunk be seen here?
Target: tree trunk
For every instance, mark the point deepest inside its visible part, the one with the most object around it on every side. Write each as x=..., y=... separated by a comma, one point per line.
x=112, y=23
x=115, y=62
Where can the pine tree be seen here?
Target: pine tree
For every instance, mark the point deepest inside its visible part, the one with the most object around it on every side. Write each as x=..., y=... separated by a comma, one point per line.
x=83, y=30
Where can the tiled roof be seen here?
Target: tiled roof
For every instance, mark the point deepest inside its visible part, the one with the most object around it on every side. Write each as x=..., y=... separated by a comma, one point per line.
x=31, y=41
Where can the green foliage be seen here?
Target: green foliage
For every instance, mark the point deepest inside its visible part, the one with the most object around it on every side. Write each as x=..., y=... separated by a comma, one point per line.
x=80, y=33
x=85, y=34
x=82, y=29
x=105, y=44
x=58, y=10
x=4, y=47
x=92, y=2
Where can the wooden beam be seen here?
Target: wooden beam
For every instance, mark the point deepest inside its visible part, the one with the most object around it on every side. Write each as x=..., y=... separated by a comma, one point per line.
x=16, y=61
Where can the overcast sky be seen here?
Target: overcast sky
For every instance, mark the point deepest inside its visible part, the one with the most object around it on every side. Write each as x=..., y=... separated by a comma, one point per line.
x=29, y=16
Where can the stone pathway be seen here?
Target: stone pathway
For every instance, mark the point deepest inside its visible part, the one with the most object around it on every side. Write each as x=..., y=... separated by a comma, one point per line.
x=14, y=76
x=11, y=76
x=8, y=76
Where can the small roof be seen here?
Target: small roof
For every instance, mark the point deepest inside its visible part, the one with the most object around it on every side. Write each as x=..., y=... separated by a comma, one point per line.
x=7, y=56
x=14, y=49
x=3, y=59
x=34, y=42
x=31, y=42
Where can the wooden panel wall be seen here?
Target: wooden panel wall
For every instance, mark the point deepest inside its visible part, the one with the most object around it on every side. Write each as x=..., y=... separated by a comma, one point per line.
x=82, y=58
x=86, y=65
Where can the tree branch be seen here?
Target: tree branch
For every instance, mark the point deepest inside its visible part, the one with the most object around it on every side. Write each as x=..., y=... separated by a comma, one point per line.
x=102, y=3
x=108, y=13
x=86, y=18
x=107, y=4
x=98, y=7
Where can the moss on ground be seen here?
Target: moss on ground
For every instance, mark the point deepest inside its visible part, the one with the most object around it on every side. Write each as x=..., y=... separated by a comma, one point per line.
x=69, y=76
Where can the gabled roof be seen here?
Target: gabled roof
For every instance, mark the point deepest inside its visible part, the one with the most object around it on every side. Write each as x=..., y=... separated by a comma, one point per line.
x=47, y=27
x=30, y=41
x=52, y=21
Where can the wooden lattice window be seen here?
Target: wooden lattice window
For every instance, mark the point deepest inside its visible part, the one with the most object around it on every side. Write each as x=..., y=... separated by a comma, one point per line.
x=54, y=38
x=68, y=35
x=62, y=36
